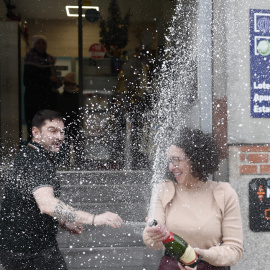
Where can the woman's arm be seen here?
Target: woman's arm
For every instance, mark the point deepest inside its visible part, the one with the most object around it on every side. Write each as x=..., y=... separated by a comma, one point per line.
x=152, y=237
x=229, y=252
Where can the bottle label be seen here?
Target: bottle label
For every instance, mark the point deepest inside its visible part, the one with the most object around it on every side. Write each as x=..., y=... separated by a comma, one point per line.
x=189, y=257
x=169, y=239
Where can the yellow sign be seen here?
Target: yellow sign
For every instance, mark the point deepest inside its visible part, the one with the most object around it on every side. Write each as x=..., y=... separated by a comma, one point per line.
x=86, y=2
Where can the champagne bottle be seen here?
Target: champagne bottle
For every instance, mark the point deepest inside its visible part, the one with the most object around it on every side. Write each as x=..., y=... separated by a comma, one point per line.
x=179, y=249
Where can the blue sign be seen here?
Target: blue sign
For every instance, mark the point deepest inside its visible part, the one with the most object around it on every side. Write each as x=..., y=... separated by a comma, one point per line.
x=260, y=62
x=92, y=15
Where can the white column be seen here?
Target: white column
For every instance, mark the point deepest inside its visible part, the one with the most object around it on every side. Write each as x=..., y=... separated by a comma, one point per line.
x=205, y=63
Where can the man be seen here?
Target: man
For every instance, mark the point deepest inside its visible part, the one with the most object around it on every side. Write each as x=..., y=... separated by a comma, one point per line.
x=40, y=80
x=31, y=211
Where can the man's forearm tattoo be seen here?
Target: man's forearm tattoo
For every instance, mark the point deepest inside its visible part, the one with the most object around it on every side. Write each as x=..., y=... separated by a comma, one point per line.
x=64, y=212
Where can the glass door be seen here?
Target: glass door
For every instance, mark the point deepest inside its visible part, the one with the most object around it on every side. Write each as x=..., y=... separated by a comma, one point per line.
x=121, y=41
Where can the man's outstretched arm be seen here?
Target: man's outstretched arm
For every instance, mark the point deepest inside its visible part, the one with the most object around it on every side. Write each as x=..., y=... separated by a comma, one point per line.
x=54, y=207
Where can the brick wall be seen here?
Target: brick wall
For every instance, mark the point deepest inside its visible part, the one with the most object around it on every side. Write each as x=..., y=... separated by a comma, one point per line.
x=254, y=159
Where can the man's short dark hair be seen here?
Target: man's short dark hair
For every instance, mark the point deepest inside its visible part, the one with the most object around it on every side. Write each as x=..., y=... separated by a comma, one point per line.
x=43, y=115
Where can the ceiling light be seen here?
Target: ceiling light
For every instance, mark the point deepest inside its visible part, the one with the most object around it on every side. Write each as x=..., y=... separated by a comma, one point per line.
x=75, y=9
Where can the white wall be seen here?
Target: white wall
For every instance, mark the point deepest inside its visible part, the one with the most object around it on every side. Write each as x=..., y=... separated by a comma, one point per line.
x=232, y=80
x=256, y=244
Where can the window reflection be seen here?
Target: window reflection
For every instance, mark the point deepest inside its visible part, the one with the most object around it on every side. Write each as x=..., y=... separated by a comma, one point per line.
x=116, y=87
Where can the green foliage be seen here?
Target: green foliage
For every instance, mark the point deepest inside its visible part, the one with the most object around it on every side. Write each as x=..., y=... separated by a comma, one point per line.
x=114, y=31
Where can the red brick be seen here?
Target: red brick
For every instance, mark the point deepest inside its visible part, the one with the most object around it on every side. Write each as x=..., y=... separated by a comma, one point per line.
x=242, y=157
x=254, y=148
x=220, y=125
x=248, y=169
x=265, y=169
x=258, y=158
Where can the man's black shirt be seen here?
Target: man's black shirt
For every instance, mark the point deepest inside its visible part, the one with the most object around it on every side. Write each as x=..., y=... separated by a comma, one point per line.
x=23, y=228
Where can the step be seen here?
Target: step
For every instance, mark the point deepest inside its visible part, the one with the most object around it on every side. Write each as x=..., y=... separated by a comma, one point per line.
x=124, y=192
x=130, y=234
x=106, y=248
x=131, y=258
x=106, y=193
x=128, y=258
x=105, y=177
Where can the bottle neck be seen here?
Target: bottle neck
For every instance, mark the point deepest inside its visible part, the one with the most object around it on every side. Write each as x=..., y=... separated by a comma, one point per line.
x=169, y=239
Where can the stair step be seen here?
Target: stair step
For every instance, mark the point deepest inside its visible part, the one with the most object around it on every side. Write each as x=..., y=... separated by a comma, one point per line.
x=103, y=236
x=112, y=258
x=106, y=193
x=124, y=192
x=104, y=177
x=131, y=258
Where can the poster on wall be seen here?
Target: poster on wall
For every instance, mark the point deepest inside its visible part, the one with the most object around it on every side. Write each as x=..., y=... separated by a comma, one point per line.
x=259, y=204
x=260, y=63
x=63, y=65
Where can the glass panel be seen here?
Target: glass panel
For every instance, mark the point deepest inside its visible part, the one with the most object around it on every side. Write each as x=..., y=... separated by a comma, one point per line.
x=117, y=87
x=116, y=84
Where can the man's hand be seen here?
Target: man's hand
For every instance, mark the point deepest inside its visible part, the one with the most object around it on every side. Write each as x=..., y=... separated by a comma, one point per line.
x=108, y=218
x=73, y=228
x=50, y=205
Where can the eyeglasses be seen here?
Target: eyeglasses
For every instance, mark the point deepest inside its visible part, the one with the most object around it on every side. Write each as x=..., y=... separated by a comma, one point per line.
x=176, y=160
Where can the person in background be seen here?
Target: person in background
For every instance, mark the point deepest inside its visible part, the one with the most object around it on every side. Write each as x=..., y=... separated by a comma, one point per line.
x=73, y=118
x=204, y=213
x=40, y=80
x=31, y=211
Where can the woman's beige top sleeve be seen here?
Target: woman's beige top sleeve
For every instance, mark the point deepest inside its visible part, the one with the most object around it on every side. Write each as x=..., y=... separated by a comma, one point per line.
x=231, y=249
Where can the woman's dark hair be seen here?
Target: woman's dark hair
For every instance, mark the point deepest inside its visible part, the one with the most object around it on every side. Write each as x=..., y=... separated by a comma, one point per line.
x=43, y=115
x=201, y=150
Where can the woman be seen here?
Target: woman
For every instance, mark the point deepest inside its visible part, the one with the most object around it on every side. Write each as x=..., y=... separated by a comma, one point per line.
x=40, y=80
x=203, y=212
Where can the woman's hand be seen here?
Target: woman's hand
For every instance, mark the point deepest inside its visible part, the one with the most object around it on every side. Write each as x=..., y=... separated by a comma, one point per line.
x=186, y=267
x=200, y=252
x=158, y=233
x=108, y=218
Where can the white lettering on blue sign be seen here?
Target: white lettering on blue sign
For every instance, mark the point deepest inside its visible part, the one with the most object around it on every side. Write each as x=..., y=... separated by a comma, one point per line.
x=263, y=85
x=261, y=98
x=261, y=109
